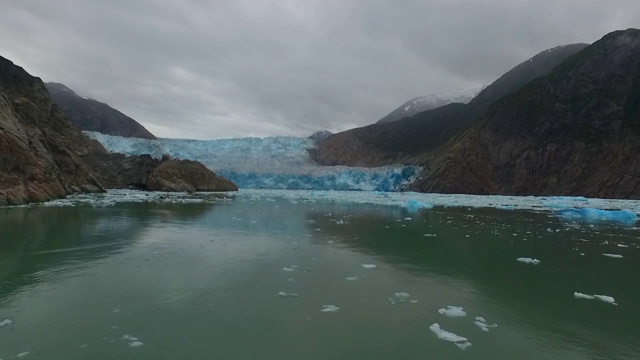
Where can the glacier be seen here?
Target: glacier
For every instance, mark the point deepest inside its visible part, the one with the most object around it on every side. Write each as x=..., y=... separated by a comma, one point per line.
x=281, y=162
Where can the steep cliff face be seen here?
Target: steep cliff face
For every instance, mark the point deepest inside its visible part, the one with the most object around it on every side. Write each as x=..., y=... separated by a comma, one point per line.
x=413, y=140
x=92, y=115
x=39, y=148
x=574, y=131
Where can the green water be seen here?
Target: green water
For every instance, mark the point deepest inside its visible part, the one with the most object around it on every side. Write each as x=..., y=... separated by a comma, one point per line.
x=201, y=281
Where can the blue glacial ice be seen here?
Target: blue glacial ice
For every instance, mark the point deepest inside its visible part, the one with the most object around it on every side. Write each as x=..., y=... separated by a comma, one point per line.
x=598, y=215
x=266, y=163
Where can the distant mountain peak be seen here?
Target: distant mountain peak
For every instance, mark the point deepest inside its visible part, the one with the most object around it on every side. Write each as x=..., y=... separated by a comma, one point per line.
x=427, y=102
x=91, y=115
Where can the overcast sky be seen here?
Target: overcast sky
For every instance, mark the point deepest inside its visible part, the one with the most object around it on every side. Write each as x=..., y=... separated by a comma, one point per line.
x=210, y=69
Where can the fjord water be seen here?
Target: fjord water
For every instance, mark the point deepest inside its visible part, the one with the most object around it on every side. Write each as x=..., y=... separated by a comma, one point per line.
x=201, y=281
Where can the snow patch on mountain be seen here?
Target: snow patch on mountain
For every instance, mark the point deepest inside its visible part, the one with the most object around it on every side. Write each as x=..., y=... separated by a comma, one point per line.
x=428, y=102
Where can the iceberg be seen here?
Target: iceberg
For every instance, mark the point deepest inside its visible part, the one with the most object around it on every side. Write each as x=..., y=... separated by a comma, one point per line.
x=442, y=334
x=596, y=215
x=527, y=260
x=280, y=162
x=329, y=308
x=5, y=322
x=452, y=311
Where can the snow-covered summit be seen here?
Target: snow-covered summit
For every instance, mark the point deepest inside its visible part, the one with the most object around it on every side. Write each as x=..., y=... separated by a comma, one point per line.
x=428, y=102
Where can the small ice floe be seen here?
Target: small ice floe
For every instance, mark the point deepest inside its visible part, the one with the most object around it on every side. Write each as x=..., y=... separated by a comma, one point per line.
x=129, y=337
x=23, y=354
x=413, y=301
x=623, y=245
x=442, y=334
x=407, y=219
x=604, y=298
x=399, y=298
x=135, y=343
x=329, y=308
x=579, y=295
x=287, y=269
x=84, y=346
x=351, y=278
x=5, y=322
x=452, y=311
x=414, y=205
x=429, y=235
x=287, y=295
x=369, y=266
x=615, y=256
x=482, y=324
x=527, y=260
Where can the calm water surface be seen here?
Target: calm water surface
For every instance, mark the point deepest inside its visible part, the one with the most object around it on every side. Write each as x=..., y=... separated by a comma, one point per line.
x=201, y=281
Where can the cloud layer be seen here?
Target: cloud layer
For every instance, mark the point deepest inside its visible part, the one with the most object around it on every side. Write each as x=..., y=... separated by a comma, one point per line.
x=218, y=69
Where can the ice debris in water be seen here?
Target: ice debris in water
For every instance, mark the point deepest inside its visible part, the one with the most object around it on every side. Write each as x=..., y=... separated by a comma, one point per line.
x=527, y=260
x=399, y=297
x=414, y=205
x=5, y=322
x=288, y=269
x=442, y=334
x=482, y=324
x=23, y=354
x=452, y=311
x=287, y=295
x=596, y=215
x=369, y=266
x=623, y=245
x=136, y=343
x=604, y=298
x=351, y=278
x=329, y=308
x=615, y=256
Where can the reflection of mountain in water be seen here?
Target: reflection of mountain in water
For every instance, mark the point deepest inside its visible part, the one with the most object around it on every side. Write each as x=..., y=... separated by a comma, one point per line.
x=37, y=240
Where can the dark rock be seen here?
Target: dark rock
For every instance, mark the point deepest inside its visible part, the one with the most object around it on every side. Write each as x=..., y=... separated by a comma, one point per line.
x=92, y=115
x=186, y=175
x=574, y=131
x=39, y=148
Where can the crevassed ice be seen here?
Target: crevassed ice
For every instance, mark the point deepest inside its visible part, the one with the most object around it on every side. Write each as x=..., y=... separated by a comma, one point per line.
x=281, y=162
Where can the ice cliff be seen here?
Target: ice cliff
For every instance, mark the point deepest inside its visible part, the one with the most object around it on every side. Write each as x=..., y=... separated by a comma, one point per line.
x=265, y=163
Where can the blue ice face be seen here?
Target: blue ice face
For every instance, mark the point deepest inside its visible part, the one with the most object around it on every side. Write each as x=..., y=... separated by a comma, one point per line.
x=266, y=163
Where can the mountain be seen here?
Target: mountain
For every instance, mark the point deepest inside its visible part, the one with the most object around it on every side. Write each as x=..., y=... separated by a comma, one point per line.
x=413, y=140
x=320, y=135
x=92, y=115
x=40, y=150
x=43, y=156
x=574, y=131
x=428, y=102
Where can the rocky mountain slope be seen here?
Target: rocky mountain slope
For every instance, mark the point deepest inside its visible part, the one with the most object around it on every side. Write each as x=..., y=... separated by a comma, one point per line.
x=574, y=131
x=42, y=155
x=92, y=115
x=428, y=102
x=413, y=140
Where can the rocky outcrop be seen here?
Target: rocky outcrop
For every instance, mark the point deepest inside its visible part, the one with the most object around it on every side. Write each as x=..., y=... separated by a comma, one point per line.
x=574, y=131
x=92, y=115
x=186, y=175
x=39, y=148
x=145, y=173
x=413, y=140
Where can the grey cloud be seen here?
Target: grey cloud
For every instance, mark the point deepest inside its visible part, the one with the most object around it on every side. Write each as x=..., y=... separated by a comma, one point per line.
x=208, y=69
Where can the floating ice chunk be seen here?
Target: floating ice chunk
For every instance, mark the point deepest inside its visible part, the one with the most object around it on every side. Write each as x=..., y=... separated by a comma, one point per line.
x=527, y=260
x=579, y=295
x=484, y=326
x=452, y=311
x=606, y=298
x=413, y=301
x=596, y=215
x=481, y=319
x=399, y=298
x=329, y=308
x=135, y=344
x=463, y=345
x=287, y=295
x=615, y=256
x=352, y=278
x=429, y=235
x=446, y=335
x=129, y=337
x=287, y=269
x=623, y=245
x=5, y=322
x=414, y=205
x=369, y=266
x=83, y=346
x=23, y=354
